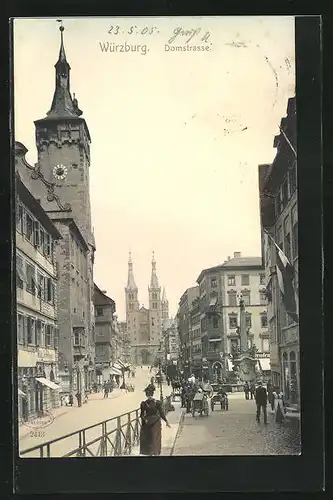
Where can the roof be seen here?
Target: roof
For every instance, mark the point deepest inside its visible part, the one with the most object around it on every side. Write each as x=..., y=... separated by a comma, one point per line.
x=35, y=207
x=234, y=263
x=101, y=299
x=73, y=227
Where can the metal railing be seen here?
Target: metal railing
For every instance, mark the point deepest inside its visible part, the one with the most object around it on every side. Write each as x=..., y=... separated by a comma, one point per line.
x=114, y=437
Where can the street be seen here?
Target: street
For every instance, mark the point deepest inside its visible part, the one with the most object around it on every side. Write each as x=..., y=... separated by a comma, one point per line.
x=234, y=432
x=71, y=419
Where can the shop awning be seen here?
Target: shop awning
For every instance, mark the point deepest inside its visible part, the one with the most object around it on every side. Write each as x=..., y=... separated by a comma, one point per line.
x=215, y=340
x=48, y=383
x=21, y=393
x=265, y=364
x=115, y=371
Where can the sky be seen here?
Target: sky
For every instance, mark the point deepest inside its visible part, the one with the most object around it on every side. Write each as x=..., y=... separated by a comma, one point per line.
x=177, y=136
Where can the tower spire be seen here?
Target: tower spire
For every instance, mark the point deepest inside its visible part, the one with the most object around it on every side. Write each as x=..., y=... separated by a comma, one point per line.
x=153, y=280
x=164, y=298
x=62, y=103
x=130, y=279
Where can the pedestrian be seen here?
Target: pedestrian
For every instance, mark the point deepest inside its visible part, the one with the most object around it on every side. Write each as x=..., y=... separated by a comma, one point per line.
x=246, y=390
x=261, y=402
x=151, y=415
x=106, y=391
x=183, y=396
x=79, y=398
x=252, y=389
x=270, y=392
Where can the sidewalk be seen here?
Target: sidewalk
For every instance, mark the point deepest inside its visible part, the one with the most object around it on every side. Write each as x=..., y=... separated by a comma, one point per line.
x=24, y=430
x=169, y=435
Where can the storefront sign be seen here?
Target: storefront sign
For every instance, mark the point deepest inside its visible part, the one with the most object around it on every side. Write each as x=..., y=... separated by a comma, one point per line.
x=45, y=355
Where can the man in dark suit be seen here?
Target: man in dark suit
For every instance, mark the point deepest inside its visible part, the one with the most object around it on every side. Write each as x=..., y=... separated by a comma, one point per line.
x=261, y=402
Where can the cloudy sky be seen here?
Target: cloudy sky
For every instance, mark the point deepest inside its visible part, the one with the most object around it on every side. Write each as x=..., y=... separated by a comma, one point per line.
x=177, y=136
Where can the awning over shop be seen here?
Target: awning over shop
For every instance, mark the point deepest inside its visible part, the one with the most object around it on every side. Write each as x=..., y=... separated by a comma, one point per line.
x=265, y=364
x=230, y=365
x=115, y=371
x=21, y=393
x=48, y=383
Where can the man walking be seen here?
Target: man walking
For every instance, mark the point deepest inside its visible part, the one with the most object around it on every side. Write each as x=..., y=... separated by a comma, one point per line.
x=261, y=402
x=252, y=389
x=246, y=390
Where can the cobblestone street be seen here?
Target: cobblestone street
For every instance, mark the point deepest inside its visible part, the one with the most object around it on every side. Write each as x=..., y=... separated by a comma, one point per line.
x=234, y=432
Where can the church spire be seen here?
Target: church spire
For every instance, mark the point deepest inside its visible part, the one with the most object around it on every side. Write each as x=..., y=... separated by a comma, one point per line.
x=62, y=103
x=153, y=280
x=130, y=279
x=164, y=298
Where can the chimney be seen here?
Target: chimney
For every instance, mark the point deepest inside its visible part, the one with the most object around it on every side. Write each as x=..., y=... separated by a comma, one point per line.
x=237, y=255
x=228, y=257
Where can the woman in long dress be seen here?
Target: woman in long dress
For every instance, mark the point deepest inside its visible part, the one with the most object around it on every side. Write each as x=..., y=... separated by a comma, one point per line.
x=151, y=415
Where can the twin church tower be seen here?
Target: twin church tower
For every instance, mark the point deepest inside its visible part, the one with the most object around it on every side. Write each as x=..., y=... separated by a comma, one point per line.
x=145, y=326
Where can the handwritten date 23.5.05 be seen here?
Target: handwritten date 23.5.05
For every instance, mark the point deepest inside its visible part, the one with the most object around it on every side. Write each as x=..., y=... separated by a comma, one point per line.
x=133, y=30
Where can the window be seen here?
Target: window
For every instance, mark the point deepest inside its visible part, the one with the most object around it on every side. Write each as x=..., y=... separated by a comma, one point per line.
x=19, y=272
x=38, y=333
x=231, y=280
x=232, y=321
x=49, y=296
x=40, y=286
x=293, y=178
x=131, y=306
x=262, y=298
x=262, y=279
x=232, y=299
x=245, y=279
x=246, y=298
x=287, y=246
x=29, y=228
x=285, y=193
x=31, y=283
x=215, y=322
x=154, y=305
x=248, y=320
x=263, y=319
x=99, y=311
x=265, y=345
x=48, y=335
x=19, y=219
x=41, y=239
x=47, y=245
x=213, y=282
x=36, y=233
x=20, y=329
x=31, y=325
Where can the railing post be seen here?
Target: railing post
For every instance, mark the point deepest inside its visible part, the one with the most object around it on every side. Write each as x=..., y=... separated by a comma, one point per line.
x=79, y=453
x=129, y=434
x=136, y=428
x=103, y=449
x=118, y=438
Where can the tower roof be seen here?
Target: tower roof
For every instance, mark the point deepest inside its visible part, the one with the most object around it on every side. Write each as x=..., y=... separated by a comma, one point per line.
x=154, y=279
x=62, y=104
x=164, y=297
x=131, y=285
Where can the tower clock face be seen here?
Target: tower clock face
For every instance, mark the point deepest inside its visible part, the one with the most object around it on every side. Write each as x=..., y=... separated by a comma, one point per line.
x=60, y=171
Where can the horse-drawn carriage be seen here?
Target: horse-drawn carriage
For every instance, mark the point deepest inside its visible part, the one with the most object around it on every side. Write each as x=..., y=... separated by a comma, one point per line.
x=200, y=404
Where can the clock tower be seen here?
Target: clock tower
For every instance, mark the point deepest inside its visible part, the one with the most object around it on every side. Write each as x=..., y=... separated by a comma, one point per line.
x=63, y=145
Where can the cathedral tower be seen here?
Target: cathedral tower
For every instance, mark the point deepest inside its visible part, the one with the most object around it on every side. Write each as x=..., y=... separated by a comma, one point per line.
x=131, y=291
x=155, y=307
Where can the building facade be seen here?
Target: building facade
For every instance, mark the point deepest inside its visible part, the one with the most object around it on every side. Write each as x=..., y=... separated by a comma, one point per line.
x=209, y=321
x=144, y=326
x=60, y=182
x=105, y=309
x=184, y=329
x=279, y=221
x=36, y=293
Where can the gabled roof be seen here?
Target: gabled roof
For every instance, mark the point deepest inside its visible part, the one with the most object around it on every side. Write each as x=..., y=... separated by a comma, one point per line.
x=35, y=207
x=101, y=299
